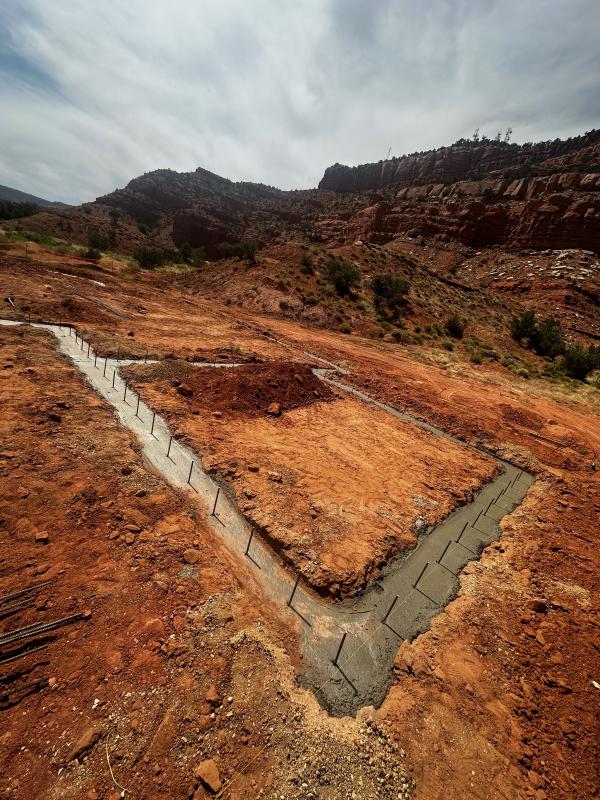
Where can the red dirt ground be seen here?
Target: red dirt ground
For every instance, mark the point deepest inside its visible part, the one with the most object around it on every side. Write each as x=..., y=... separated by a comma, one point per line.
x=496, y=702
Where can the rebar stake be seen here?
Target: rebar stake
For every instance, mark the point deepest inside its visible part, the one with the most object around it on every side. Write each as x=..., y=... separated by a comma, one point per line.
x=125, y=391
x=189, y=480
x=339, y=650
x=214, y=508
x=169, y=449
x=95, y=359
x=293, y=591
x=441, y=558
x=137, y=408
x=104, y=370
x=152, y=427
x=88, y=350
x=258, y=566
x=114, y=376
x=420, y=574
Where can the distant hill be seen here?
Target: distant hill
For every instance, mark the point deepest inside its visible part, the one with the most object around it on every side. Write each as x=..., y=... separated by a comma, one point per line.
x=16, y=196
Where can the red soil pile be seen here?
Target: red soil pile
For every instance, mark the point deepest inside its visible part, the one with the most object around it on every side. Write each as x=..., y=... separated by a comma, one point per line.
x=250, y=389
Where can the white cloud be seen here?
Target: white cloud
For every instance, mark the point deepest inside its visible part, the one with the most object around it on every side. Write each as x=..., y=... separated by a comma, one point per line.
x=93, y=94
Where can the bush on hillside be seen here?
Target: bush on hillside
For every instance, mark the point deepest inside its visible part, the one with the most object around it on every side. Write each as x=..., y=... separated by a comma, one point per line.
x=245, y=249
x=579, y=362
x=343, y=275
x=455, y=326
x=149, y=257
x=389, y=293
x=544, y=335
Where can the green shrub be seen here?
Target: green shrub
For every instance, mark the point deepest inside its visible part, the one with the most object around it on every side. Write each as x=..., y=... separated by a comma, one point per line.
x=448, y=345
x=343, y=275
x=97, y=240
x=92, y=253
x=246, y=249
x=455, y=326
x=311, y=299
x=306, y=264
x=402, y=336
x=523, y=326
x=523, y=373
x=476, y=358
x=149, y=257
x=186, y=252
x=389, y=293
x=578, y=362
x=346, y=327
x=544, y=336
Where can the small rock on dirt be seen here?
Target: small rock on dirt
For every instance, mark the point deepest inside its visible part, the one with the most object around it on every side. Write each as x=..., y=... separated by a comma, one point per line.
x=212, y=696
x=185, y=390
x=274, y=410
x=191, y=556
x=208, y=773
x=42, y=537
x=85, y=742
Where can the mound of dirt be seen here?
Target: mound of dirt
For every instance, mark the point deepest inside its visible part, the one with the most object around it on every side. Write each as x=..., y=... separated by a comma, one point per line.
x=250, y=389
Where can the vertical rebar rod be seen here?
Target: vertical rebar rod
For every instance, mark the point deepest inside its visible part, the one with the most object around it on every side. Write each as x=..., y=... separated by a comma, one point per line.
x=339, y=650
x=104, y=370
x=214, y=508
x=420, y=575
x=124, y=391
x=137, y=408
x=152, y=427
x=293, y=591
x=169, y=448
x=114, y=376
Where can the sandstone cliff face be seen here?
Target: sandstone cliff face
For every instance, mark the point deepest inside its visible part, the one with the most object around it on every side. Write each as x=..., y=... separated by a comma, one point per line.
x=530, y=215
x=464, y=161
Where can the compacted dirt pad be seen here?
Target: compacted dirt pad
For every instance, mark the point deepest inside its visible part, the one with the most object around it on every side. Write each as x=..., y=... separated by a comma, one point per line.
x=336, y=487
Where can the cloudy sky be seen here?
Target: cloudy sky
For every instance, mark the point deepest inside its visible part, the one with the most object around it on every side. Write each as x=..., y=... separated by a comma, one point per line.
x=94, y=93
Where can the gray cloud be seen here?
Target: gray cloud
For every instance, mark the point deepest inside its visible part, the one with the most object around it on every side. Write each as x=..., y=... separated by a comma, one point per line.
x=93, y=94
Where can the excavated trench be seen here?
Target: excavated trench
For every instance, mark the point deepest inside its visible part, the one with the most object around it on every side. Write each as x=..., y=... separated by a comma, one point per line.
x=348, y=649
